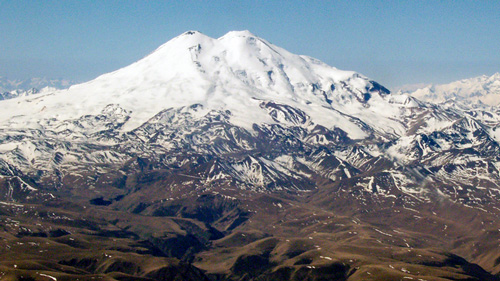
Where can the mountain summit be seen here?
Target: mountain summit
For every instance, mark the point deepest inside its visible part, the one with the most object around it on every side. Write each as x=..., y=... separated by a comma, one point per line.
x=237, y=72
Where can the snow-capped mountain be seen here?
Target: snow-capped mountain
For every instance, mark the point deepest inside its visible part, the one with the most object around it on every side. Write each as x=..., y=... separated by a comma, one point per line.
x=478, y=90
x=18, y=88
x=239, y=152
x=242, y=112
x=237, y=72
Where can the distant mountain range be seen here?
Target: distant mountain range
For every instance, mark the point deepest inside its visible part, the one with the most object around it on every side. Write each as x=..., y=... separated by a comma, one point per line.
x=233, y=159
x=12, y=88
x=474, y=91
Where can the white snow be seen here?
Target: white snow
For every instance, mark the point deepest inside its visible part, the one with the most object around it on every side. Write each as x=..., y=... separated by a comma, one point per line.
x=381, y=232
x=235, y=72
x=11, y=204
x=347, y=173
x=48, y=276
x=483, y=89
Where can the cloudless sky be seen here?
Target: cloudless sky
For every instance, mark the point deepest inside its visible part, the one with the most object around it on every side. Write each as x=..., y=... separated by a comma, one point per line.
x=392, y=42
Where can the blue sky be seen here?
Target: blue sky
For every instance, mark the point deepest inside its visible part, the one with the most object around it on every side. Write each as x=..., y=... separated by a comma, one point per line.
x=392, y=42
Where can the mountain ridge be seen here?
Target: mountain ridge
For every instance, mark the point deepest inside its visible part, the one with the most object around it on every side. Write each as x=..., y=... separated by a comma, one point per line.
x=480, y=90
